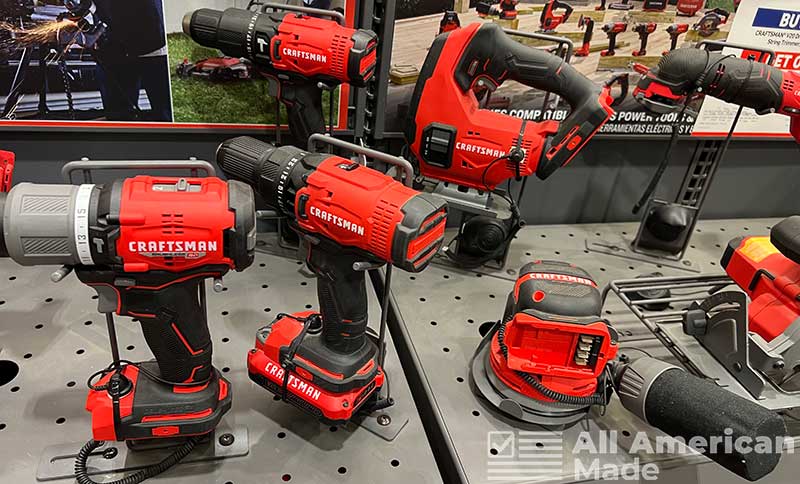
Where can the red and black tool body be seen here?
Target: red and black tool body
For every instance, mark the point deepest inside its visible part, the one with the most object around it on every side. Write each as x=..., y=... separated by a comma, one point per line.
x=6, y=170
x=709, y=24
x=585, y=22
x=506, y=9
x=472, y=147
x=601, y=7
x=450, y=21
x=644, y=30
x=296, y=50
x=768, y=270
x=549, y=352
x=612, y=30
x=550, y=20
x=325, y=363
x=689, y=8
x=145, y=245
x=675, y=31
x=744, y=82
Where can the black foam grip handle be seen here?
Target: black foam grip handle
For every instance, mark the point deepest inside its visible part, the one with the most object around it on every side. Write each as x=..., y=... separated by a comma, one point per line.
x=303, y=101
x=175, y=327
x=342, y=294
x=539, y=70
x=729, y=78
x=683, y=405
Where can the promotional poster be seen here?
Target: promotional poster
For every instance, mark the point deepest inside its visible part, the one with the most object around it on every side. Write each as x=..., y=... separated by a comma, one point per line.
x=610, y=37
x=765, y=24
x=112, y=63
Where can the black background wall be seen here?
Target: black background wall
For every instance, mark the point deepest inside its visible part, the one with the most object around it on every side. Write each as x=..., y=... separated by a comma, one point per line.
x=756, y=179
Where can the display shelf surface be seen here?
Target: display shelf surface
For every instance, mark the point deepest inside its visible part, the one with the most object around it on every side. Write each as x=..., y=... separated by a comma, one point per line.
x=57, y=337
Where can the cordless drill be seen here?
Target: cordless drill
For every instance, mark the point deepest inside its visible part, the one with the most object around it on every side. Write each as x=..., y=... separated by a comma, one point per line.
x=347, y=215
x=675, y=31
x=146, y=245
x=295, y=50
x=612, y=29
x=644, y=30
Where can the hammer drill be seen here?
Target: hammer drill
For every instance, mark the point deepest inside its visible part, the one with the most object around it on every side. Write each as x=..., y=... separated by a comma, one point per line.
x=146, y=245
x=350, y=217
x=295, y=50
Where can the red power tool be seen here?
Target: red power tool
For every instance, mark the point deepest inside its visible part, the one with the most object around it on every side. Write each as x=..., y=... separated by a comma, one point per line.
x=689, y=8
x=675, y=31
x=348, y=215
x=6, y=170
x=613, y=29
x=450, y=21
x=551, y=348
x=146, y=245
x=507, y=9
x=552, y=357
x=549, y=20
x=644, y=30
x=587, y=23
x=685, y=72
x=768, y=270
x=479, y=148
x=295, y=50
x=709, y=24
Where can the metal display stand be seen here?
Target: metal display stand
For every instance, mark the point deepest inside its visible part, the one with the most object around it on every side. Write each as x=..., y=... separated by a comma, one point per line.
x=691, y=196
x=435, y=323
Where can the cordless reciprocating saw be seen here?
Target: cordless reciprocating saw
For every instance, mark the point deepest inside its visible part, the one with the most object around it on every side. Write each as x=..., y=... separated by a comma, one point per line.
x=295, y=50
x=347, y=215
x=688, y=72
x=146, y=245
x=553, y=356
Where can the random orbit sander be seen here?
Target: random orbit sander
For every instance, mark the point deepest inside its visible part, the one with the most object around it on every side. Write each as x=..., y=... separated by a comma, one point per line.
x=150, y=263
x=351, y=218
x=552, y=357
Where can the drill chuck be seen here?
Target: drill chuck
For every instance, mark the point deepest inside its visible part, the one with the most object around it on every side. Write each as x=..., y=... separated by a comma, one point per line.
x=275, y=173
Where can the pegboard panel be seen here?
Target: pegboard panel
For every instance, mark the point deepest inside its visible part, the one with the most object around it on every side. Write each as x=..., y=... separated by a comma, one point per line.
x=55, y=336
x=443, y=308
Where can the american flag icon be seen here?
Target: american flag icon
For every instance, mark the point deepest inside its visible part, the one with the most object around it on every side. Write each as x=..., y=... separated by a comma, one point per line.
x=524, y=456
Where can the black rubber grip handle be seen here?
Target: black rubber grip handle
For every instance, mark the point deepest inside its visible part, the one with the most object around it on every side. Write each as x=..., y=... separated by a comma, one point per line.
x=683, y=405
x=732, y=79
x=175, y=327
x=303, y=101
x=492, y=53
x=342, y=294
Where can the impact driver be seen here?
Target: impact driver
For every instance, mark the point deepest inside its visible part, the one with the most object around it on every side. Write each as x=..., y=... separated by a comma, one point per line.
x=350, y=217
x=295, y=50
x=146, y=245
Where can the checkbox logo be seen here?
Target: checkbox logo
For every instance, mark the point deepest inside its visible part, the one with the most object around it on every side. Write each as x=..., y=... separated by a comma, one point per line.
x=501, y=445
x=522, y=455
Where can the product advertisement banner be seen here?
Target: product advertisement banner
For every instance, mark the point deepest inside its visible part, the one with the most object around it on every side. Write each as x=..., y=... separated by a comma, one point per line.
x=128, y=63
x=610, y=38
x=764, y=24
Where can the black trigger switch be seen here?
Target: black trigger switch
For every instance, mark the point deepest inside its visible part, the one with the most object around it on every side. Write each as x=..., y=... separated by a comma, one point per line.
x=107, y=299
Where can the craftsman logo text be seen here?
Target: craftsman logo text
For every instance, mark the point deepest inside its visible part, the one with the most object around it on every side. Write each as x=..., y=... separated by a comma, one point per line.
x=336, y=220
x=480, y=150
x=302, y=54
x=294, y=383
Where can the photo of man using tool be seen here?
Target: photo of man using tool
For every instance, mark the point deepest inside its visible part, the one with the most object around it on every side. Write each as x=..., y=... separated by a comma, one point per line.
x=81, y=60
